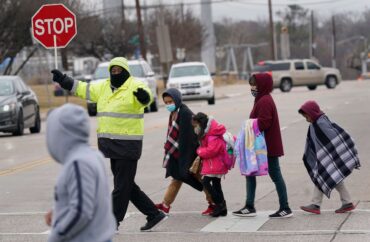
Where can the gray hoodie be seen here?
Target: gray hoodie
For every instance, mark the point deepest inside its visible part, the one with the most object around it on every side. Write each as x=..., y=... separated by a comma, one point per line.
x=82, y=209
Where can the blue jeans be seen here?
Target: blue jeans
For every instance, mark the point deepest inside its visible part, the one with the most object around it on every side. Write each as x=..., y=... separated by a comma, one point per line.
x=276, y=177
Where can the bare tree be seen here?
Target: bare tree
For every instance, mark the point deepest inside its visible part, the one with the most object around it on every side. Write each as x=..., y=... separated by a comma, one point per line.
x=185, y=31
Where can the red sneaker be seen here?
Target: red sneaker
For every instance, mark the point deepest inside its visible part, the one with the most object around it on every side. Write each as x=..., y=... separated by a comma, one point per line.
x=312, y=208
x=163, y=207
x=209, y=210
x=345, y=208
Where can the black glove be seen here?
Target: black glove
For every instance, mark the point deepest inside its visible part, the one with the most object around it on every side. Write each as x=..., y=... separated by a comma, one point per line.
x=64, y=81
x=142, y=96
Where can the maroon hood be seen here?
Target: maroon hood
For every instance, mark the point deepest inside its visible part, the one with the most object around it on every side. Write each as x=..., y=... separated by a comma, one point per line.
x=264, y=84
x=312, y=109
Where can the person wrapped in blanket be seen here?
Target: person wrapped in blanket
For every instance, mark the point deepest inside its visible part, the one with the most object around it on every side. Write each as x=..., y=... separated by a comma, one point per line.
x=330, y=156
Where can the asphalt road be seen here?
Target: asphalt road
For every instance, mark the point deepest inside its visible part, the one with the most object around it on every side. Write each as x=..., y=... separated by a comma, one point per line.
x=28, y=174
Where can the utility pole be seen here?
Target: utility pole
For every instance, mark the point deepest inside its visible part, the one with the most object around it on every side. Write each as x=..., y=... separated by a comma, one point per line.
x=122, y=30
x=334, y=43
x=272, y=42
x=123, y=12
x=312, y=37
x=140, y=30
x=182, y=12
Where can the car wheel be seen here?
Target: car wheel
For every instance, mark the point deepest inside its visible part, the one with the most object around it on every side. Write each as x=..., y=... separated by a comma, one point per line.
x=91, y=111
x=331, y=82
x=311, y=87
x=37, y=128
x=154, y=106
x=20, y=125
x=212, y=101
x=286, y=85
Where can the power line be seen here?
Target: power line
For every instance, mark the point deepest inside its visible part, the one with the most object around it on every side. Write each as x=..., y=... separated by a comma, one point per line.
x=156, y=6
x=246, y=2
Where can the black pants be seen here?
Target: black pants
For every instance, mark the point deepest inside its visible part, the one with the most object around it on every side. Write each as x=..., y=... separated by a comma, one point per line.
x=213, y=186
x=125, y=190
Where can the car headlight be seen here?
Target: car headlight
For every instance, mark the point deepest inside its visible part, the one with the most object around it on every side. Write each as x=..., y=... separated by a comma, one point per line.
x=207, y=83
x=173, y=85
x=8, y=107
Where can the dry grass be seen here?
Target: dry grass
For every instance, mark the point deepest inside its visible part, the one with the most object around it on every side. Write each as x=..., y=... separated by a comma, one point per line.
x=43, y=98
x=41, y=92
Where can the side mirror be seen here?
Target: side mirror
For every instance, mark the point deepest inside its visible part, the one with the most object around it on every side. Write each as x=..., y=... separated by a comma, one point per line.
x=27, y=92
x=213, y=73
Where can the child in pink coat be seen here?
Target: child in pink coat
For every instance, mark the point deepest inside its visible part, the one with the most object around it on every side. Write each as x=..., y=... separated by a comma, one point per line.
x=212, y=152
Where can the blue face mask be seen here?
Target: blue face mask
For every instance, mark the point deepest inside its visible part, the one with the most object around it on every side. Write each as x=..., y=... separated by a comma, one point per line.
x=171, y=107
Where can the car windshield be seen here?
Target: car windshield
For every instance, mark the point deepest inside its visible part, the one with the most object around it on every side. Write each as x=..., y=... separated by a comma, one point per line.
x=137, y=70
x=101, y=72
x=189, y=71
x=6, y=87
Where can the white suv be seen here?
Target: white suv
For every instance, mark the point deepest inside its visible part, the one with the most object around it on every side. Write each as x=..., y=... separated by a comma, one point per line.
x=289, y=73
x=193, y=80
x=140, y=70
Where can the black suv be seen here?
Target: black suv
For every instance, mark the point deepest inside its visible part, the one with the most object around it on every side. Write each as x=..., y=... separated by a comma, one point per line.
x=19, y=108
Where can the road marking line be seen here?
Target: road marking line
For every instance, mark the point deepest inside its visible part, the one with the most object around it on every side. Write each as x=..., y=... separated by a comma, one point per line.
x=24, y=166
x=22, y=213
x=128, y=214
x=276, y=232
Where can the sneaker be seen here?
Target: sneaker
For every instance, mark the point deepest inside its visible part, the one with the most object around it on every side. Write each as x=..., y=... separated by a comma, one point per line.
x=209, y=210
x=312, y=208
x=163, y=207
x=245, y=212
x=282, y=213
x=345, y=208
x=154, y=222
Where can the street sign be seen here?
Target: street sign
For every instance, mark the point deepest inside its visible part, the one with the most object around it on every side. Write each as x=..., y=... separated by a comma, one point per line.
x=54, y=26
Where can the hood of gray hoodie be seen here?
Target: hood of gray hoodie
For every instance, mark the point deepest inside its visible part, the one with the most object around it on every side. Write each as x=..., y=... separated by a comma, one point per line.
x=67, y=128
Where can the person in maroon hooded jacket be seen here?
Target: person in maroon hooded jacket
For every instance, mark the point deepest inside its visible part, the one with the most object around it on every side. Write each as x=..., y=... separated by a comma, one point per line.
x=264, y=110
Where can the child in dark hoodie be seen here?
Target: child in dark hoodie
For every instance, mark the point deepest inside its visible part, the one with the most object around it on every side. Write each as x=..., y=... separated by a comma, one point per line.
x=264, y=110
x=330, y=156
x=212, y=153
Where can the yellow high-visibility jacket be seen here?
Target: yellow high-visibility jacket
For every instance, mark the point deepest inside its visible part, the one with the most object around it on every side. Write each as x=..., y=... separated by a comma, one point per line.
x=120, y=115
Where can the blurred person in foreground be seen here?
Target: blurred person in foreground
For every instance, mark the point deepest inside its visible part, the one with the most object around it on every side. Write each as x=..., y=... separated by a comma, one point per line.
x=82, y=205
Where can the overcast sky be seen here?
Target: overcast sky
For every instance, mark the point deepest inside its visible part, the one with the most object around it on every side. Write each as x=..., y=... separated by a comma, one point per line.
x=258, y=9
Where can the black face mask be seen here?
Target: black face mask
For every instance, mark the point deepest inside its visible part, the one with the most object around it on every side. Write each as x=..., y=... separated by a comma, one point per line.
x=254, y=93
x=117, y=80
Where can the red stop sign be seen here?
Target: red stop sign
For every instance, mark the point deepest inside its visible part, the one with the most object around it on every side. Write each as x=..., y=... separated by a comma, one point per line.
x=54, y=22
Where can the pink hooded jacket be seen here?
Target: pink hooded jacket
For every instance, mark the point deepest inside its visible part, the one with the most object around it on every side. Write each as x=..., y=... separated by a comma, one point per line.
x=212, y=149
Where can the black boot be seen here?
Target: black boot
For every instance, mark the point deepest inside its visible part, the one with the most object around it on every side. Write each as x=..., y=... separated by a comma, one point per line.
x=220, y=210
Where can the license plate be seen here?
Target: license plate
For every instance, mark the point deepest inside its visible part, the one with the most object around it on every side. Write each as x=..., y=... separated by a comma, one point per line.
x=190, y=91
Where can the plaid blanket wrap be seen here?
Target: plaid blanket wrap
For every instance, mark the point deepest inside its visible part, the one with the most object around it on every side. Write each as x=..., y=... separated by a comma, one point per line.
x=171, y=147
x=330, y=154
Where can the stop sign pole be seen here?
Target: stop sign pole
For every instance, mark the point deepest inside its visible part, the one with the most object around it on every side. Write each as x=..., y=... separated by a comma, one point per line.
x=54, y=26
